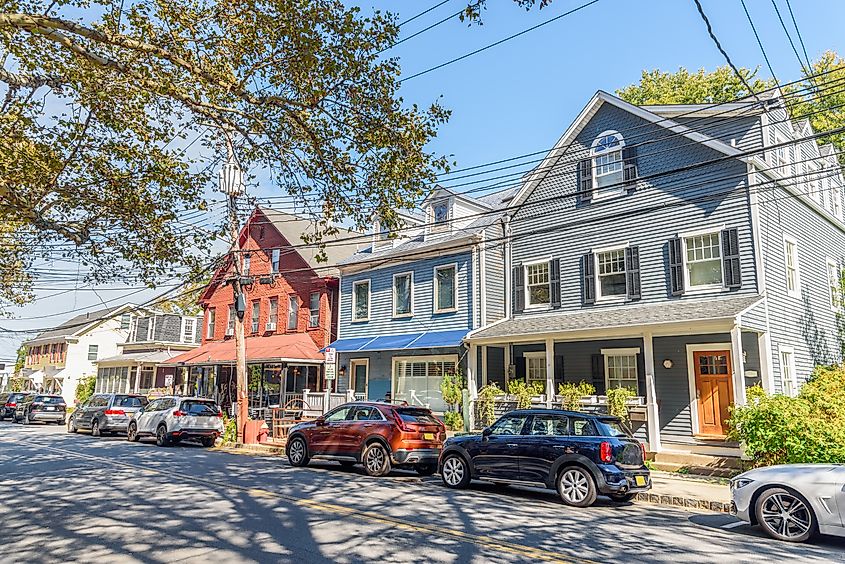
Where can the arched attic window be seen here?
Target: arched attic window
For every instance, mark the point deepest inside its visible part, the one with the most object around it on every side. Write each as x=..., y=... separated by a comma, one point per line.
x=611, y=168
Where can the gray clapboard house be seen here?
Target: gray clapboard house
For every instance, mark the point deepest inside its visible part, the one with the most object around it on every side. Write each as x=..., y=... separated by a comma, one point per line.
x=687, y=252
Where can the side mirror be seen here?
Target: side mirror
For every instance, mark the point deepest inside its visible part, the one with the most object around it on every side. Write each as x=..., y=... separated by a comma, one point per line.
x=320, y=421
x=486, y=432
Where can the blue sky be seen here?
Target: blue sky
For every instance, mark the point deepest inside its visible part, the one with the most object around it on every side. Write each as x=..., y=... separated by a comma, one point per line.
x=519, y=97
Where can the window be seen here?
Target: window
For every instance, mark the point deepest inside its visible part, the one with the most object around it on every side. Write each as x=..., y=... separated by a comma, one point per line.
x=439, y=217
x=274, y=269
x=125, y=321
x=338, y=414
x=314, y=310
x=293, y=312
x=788, y=384
x=620, y=368
x=417, y=380
x=834, y=283
x=256, y=313
x=703, y=260
x=549, y=425
x=188, y=330
x=836, y=198
x=246, y=264
x=92, y=352
x=445, y=288
x=402, y=289
x=611, y=273
x=793, y=280
x=230, y=321
x=361, y=300
x=146, y=382
x=607, y=163
x=537, y=284
x=780, y=155
x=209, y=328
x=273, y=315
x=151, y=328
x=509, y=425
x=535, y=366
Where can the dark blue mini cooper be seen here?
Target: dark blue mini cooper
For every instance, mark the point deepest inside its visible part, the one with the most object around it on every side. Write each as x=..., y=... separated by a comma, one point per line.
x=581, y=455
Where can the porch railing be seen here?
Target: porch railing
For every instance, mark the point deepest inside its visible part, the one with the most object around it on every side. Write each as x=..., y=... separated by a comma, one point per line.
x=590, y=404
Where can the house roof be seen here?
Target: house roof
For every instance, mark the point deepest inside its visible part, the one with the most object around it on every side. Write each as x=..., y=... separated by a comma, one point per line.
x=80, y=324
x=677, y=311
x=286, y=347
x=154, y=357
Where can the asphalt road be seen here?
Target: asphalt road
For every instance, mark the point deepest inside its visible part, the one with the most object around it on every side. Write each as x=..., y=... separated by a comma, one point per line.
x=77, y=498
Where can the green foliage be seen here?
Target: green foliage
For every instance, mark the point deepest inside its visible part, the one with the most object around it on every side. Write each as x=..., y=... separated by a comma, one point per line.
x=452, y=386
x=524, y=392
x=486, y=404
x=230, y=430
x=684, y=87
x=454, y=420
x=19, y=384
x=20, y=359
x=808, y=428
x=85, y=388
x=571, y=393
x=617, y=398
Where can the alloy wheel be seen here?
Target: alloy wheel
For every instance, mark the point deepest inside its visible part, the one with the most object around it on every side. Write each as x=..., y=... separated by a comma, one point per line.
x=297, y=451
x=453, y=471
x=95, y=429
x=786, y=515
x=573, y=486
x=132, y=433
x=375, y=460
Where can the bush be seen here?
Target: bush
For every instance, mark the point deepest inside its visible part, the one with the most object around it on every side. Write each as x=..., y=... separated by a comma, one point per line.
x=230, y=430
x=617, y=400
x=809, y=428
x=85, y=389
x=571, y=393
x=486, y=404
x=524, y=392
x=454, y=421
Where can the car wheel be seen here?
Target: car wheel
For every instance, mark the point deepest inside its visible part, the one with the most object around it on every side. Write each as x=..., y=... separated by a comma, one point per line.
x=161, y=436
x=71, y=425
x=455, y=472
x=95, y=429
x=785, y=515
x=26, y=420
x=132, y=433
x=376, y=460
x=298, y=452
x=425, y=469
x=622, y=498
x=576, y=487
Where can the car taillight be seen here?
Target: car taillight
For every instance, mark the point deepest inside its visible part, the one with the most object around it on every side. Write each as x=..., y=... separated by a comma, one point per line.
x=400, y=423
x=642, y=448
x=220, y=414
x=605, y=452
x=11, y=404
x=114, y=412
x=178, y=413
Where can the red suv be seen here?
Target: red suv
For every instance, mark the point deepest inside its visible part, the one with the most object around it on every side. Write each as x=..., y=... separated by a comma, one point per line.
x=378, y=435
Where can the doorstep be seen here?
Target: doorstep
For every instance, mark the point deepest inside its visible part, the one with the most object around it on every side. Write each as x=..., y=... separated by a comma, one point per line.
x=690, y=492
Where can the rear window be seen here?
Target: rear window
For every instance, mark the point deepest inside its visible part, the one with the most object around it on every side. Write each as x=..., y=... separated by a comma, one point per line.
x=17, y=397
x=192, y=407
x=50, y=400
x=615, y=428
x=130, y=401
x=417, y=416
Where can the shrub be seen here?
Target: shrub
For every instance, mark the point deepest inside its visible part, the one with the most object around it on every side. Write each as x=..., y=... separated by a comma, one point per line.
x=454, y=421
x=617, y=399
x=85, y=388
x=452, y=388
x=524, y=392
x=486, y=404
x=230, y=430
x=571, y=393
x=808, y=428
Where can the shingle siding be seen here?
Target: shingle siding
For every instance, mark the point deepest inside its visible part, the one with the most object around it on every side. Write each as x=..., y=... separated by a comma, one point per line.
x=168, y=328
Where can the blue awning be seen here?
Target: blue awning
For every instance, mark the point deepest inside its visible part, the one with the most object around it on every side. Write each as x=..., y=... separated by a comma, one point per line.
x=430, y=339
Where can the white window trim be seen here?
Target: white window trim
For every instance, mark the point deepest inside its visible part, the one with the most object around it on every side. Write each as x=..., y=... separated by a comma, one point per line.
x=434, y=227
x=255, y=320
x=597, y=195
x=626, y=351
x=536, y=355
x=185, y=321
x=434, y=287
x=776, y=166
x=410, y=313
x=708, y=288
x=832, y=298
x=290, y=309
x=796, y=292
x=310, y=311
x=693, y=400
x=352, y=363
x=355, y=284
x=422, y=358
x=793, y=377
x=210, y=322
x=525, y=290
x=596, y=253
x=275, y=261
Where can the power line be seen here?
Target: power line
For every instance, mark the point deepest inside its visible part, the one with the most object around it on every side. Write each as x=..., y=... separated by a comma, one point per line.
x=805, y=70
x=424, y=12
x=759, y=42
x=798, y=32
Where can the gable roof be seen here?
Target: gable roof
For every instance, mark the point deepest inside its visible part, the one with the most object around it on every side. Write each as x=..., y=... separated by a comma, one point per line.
x=81, y=323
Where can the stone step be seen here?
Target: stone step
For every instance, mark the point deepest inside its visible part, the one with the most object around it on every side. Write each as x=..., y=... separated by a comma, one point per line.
x=688, y=459
x=694, y=470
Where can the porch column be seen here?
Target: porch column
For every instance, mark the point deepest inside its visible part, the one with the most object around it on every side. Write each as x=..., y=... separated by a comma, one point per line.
x=483, y=374
x=738, y=365
x=550, y=371
x=652, y=410
x=507, y=363
x=767, y=379
x=472, y=385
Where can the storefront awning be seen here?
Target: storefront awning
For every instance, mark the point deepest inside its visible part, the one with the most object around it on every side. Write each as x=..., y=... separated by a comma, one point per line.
x=293, y=347
x=429, y=339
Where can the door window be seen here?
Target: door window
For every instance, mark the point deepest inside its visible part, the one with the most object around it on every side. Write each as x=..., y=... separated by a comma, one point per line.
x=361, y=413
x=338, y=414
x=549, y=425
x=509, y=425
x=360, y=373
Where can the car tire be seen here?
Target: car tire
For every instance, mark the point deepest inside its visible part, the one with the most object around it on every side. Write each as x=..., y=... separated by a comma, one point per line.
x=425, y=468
x=95, y=429
x=622, y=498
x=71, y=425
x=455, y=472
x=132, y=433
x=376, y=460
x=161, y=436
x=208, y=442
x=26, y=420
x=297, y=452
x=799, y=526
x=576, y=487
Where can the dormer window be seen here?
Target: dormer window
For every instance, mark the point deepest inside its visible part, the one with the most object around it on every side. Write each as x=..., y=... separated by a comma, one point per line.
x=440, y=212
x=607, y=163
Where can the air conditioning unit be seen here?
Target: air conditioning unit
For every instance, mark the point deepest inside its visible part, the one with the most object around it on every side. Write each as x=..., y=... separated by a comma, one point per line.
x=230, y=331
x=270, y=326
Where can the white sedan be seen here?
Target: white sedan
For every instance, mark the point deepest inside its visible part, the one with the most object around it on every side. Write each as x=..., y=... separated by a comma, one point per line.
x=792, y=502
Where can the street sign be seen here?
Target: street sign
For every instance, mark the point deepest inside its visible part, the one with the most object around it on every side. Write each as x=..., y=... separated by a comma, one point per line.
x=331, y=356
x=331, y=372
x=331, y=364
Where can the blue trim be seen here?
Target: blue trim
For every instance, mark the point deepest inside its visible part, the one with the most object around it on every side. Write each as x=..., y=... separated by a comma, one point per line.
x=430, y=339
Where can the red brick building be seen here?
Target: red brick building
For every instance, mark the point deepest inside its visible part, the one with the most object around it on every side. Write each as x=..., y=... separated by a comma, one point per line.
x=291, y=303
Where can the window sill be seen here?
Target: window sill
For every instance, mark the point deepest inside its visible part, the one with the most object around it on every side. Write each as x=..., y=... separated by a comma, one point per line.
x=705, y=290
x=612, y=300
x=403, y=316
x=538, y=307
x=314, y=328
x=794, y=294
x=360, y=320
x=439, y=311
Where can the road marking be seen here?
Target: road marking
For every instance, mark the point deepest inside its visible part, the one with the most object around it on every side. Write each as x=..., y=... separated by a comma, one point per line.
x=733, y=525
x=479, y=540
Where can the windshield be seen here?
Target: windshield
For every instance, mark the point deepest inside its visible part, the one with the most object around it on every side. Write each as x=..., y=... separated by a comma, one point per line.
x=49, y=400
x=416, y=415
x=193, y=407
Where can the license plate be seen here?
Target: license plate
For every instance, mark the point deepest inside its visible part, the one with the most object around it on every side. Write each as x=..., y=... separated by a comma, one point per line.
x=428, y=436
x=51, y=409
x=640, y=480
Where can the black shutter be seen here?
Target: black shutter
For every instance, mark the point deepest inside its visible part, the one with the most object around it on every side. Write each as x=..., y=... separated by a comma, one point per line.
x=730, y=258
x=585, y=181
x=559, y=379
x=589, y=278
x=518, y=289
x=632, y=272
x=554, y=282
x=598, y=374
x=676, y=267
x=629, y=170
x=519, y=368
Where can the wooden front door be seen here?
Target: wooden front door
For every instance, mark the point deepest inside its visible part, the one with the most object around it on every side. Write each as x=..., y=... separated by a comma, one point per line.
x=714, y=391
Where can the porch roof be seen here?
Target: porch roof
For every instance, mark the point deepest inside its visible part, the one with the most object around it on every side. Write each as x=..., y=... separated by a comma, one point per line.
x=621, y=316
x=292, y=347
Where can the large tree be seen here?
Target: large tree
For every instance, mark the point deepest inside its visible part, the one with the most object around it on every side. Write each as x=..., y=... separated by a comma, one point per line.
x=100, y=99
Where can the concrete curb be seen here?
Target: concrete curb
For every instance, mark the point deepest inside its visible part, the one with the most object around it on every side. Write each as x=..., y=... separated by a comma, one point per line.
x=258, y=449
x=685, y=502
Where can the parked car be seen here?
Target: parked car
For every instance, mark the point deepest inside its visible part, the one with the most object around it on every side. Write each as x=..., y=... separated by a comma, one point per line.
x=105, y=413
x=173, y=419
x=9, y=402
x=792, y=502
x=41, y=407
x=580, y=455
x=378, y=435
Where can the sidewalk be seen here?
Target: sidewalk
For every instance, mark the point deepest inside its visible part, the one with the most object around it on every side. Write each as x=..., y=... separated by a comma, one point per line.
x=693, y=492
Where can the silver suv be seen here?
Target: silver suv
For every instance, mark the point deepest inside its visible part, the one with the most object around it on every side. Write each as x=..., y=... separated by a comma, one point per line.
x=175, y=418
x=105, y=413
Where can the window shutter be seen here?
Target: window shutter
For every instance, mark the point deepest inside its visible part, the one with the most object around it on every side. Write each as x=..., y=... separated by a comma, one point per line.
x=558, y=371
x=730, y=258
x=554, y=282
x=518, y=288
x=585, y=181
x=519, y=368
x=589, y=281
x=632, y=272
x=676, y=267
x=598, y=374
x=629, y=170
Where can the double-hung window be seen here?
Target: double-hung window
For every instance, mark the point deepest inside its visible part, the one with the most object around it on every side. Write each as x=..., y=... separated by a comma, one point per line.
x=608, y=165
x=209, y=327
x=537, y=284
x=703, y=253
x=793, y=279
x=272, y=314
x=293, y=312
x=274, y=261
x=402, y=294
x=788, y=383
x=611, y=273
x=416, y=380
x=314, y=310
x=445, y=288
x=92, y=352
x=620, y=368
x=188, y=330
x=780, y=155
x=834, y=283
x=535, y=366
x=439, y=219
x=361, y=300
x=246, y=264
x=125, y=322
x=255, y=314
x=230, y=321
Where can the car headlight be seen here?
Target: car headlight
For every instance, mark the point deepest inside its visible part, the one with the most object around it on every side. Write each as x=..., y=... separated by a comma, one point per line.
x=740, y=483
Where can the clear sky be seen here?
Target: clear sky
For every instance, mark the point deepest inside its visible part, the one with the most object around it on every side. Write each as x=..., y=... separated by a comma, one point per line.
x=520, y=96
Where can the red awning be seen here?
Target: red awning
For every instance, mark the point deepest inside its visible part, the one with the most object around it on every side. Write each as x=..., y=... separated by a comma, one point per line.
x=293, y=347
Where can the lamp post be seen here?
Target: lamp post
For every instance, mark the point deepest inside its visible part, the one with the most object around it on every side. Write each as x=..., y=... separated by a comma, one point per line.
x=231, y=181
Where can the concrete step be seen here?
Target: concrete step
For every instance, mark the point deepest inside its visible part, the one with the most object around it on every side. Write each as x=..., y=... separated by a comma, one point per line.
x=694, y=470
x=688, y=459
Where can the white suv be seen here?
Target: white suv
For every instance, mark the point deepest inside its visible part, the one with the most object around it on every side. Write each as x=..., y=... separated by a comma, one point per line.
x=174, y=418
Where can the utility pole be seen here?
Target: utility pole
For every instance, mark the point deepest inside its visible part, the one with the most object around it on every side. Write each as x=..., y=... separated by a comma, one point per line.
x=231, y=184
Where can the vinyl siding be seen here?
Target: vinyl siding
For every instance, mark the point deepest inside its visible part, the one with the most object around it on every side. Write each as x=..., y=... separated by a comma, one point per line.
x=745, y=133
x=494, y=272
